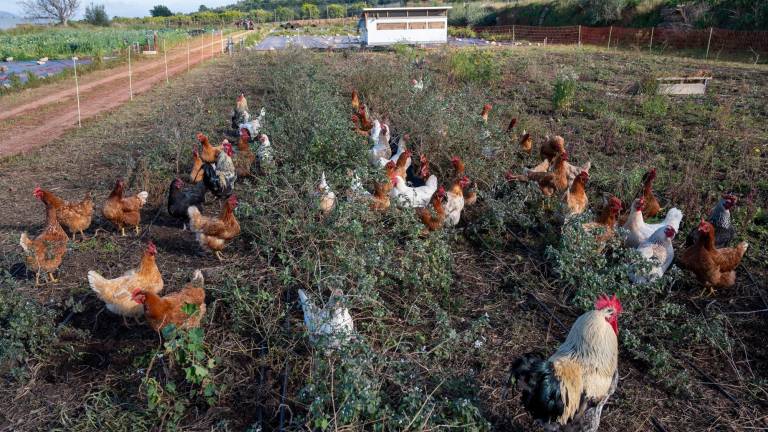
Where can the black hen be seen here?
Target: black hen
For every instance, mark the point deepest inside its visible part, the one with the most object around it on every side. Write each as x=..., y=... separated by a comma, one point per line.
x=540, y=388
x=180, y=199
x=720, y=218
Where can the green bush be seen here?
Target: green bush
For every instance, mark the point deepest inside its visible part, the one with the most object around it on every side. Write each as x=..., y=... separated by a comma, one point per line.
x=462, y=32
x=564, y=92
x=655, y=106
x=475, y=65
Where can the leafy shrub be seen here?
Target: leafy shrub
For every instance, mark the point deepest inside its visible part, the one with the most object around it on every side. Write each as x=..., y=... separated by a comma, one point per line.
x=26, y=328
x=462, y=32
x=564, y=92
x=478, y=66
x=603, y=11
x=471, y=14
x=96, y=15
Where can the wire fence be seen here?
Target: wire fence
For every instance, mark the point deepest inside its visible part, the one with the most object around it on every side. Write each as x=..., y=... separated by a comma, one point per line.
x=711, y=41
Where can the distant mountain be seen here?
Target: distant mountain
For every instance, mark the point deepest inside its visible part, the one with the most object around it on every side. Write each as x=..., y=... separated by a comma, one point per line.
x=7, y=15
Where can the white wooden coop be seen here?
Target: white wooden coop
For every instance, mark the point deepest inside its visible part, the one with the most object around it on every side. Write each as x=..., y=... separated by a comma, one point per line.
x=410, y=25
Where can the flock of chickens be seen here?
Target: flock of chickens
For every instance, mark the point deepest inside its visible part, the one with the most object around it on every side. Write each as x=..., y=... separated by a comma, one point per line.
x=566, y=391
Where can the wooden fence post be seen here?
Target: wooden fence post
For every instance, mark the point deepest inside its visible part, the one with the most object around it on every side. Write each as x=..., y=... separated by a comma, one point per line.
x=165, y=58
x=579, y=36
x=513, y=32
x=709, y=41
x=130, y=78
x=610, y=33
x=650, y=45
x=77, y=92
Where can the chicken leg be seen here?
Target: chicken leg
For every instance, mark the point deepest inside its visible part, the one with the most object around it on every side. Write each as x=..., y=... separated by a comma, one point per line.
x=219, y=256
x=53, y=278
x=137, y=230
x=122, y=230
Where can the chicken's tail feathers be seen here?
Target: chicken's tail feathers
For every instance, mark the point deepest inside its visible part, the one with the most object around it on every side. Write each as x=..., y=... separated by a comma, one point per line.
x=432, y=181
x=742, y=248
x=143, y=195
x=675, y=216
x=24, y=241
x=303, y=299
x=96, y=281
x=198, y=280
x=194, y=217
x=536, y=379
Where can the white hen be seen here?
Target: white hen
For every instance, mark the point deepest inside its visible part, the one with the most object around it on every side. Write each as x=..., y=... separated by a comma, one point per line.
x=639, y=231
x=658, y=250
x=454, y=202
x=332, y=324
x=413, y=196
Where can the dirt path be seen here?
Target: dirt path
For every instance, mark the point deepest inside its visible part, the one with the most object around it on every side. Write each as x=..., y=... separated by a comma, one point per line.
x=41, y=116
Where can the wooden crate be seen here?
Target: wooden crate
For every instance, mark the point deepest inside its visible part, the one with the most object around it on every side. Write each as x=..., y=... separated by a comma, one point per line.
x=682, y=86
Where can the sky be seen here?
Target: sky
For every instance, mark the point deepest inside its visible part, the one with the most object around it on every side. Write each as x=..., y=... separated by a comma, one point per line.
x=130, y=8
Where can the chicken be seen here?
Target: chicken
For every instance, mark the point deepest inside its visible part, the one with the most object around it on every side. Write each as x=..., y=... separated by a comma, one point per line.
x=385, y=135
x=526, y=143
x=254, y=125
x=75, y=216
x=568, y=391
x=512, y=124
x=403, y=163
x=436, y=221
x=574, y=170
x=214, y=233
x=576, y=198
x=244, y=159
x=122, y=211
x=362, y=121
x=604, y=227
x=401, y=148
x=713, y=267
x=330, y=326
x=458, y=167
x=412, y=178
x=162, y=311
x=639, y=231
x=417, y=85
x=412, y=197
x=45, y=252
x=548, y=181
x=454, y=201
x=720, y=218
x=374, y=135
x=355, y=101
x=180, y=199
x=240, y=113
x=220, y=177
x=652, y=206
x=264, y=154
x=116, y=293
x=659, y=252
x=552, y=147
x=382, y=190
x=209, y=152
x=380, y=151
x=196, y=174
x=326, y=198
x=484, y=113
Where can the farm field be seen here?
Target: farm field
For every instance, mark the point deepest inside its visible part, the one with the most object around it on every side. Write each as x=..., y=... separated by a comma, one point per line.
x=440, y=316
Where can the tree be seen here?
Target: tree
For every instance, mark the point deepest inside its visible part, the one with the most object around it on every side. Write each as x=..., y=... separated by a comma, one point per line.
x=160, y=11
x=231, y=16
x=203, y=8
x=308, y=10
x=356, y=8
x=59, y=10
x=284, y=13
x=96, y=15
x=260, y=15
x=335, y=11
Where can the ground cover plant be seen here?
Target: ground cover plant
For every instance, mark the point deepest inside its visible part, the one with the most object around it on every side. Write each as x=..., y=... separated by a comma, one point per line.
x=439, y=316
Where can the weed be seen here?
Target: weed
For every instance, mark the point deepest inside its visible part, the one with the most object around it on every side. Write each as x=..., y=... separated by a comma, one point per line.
x=478, y=66
x=564, y=92
x=655, y=106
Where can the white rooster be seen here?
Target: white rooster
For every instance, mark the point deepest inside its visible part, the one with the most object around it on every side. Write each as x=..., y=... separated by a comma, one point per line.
x=254, y=125
x=332, y=324
x=413, y=196
x=639, y=231
x=657, y=250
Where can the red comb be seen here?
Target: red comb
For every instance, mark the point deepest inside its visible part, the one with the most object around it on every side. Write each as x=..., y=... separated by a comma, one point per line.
x=604, y=301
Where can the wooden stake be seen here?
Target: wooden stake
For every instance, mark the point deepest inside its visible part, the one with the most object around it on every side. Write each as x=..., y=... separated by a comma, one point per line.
x=77, y=92
x=130, y=73
x=610, y=33
x=709, y=41
x=513, y=33
x=579, y=36
x=650, y=45
x=165, y=57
